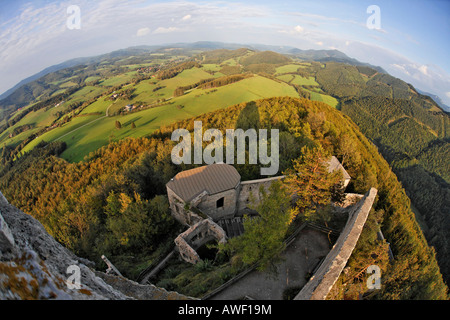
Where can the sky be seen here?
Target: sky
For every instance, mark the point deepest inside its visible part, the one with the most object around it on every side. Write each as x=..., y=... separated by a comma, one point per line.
x=409, y=39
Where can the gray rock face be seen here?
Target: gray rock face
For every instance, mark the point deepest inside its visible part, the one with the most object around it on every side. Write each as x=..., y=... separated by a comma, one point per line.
x=7, y=244
x=33, y=265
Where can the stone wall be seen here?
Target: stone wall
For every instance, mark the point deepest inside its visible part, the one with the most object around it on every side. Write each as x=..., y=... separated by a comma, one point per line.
x=196, y=236
x=204, y=202
x=250, y=189
x=208, y=204
x=325, y=277
x=181, y=211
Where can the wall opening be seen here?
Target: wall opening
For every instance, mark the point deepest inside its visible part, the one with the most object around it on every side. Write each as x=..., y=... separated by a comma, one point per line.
x=208, y=250
x=220, y=203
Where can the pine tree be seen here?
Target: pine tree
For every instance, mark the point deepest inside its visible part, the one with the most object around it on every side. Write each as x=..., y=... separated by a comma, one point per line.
x=118, y=124
x=310, y=183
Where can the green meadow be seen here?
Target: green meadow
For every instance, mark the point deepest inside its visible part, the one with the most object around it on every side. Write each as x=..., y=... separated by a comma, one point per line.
x=85, y=134
x=92, y=128
x=331, y=101
x=302, y=81
x=287, y=68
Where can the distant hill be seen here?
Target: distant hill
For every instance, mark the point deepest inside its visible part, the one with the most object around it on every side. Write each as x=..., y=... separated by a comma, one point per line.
x=436, y=99
x=31, y=88
x=412, y=133
x=54, y=68
x=268, y=57
x=218, y=56
x=79, y=106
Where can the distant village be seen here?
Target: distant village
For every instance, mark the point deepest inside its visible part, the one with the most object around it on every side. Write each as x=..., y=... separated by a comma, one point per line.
x=130, y=107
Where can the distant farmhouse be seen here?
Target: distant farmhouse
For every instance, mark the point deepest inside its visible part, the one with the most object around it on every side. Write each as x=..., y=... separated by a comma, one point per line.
x=212, y=201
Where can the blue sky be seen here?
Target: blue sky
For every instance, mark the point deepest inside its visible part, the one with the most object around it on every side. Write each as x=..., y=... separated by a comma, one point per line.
x=412, y=44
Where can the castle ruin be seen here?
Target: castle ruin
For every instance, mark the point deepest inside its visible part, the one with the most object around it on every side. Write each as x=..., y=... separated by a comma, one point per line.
x=212, y=200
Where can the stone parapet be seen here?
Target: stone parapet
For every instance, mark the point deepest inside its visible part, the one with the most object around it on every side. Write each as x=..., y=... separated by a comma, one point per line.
x=327, y=274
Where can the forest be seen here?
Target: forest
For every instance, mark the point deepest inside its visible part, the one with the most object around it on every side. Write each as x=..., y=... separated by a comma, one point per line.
x=114, y=202
x=382, y=129
x=412, y=134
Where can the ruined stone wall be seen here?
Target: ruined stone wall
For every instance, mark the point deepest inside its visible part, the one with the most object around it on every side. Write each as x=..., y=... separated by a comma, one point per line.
x=208, y=204
x=250, y=189
x=325, y=277
x=196, y=236
x=180, y=211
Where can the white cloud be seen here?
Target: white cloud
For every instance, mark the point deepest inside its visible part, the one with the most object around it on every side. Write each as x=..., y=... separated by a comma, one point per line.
x=423, y=69
x=165, y=30
x=298, y=29
x=295, y=30
x=400, y=68
x=186, y=17
x=315, y=18
x=381, y=30
x=319, y=43
x=142, y=32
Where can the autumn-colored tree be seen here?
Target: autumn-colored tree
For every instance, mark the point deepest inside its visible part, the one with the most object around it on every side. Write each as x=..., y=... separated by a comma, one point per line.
x=134, y=222
x=262, y=241
x=178, y=92
x=310, y=183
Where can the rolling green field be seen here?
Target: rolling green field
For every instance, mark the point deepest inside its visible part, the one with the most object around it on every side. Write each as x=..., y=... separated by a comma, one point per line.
x=98, y=106
x=310, y=81
x=85, y=134
x=302, y=81
x=36, y=119
x=95, y=125
x=117, y=80
x=287, y=68
x=92, y=128
x=331, y=101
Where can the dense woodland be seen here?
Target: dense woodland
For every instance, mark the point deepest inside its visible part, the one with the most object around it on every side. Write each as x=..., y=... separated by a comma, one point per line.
x=411, y=133
x=114, y=203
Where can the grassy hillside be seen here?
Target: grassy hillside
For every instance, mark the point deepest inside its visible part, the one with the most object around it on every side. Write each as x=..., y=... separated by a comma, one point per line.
x=86, y=134
x=76, y=106
x=76, y=201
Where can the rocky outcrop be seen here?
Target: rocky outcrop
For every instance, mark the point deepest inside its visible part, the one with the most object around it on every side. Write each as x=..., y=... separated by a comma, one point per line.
x=33, y=265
